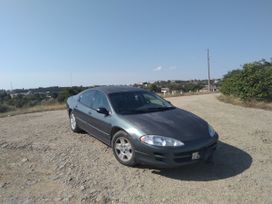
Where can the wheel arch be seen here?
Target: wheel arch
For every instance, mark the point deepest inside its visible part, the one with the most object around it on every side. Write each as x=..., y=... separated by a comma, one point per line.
x=69, y=111
x=114, y=130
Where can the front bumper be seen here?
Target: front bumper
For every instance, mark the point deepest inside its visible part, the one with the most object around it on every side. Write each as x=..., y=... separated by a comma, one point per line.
x=162, y=157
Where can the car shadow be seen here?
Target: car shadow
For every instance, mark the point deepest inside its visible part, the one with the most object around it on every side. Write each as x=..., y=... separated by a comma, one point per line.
x=228, y=161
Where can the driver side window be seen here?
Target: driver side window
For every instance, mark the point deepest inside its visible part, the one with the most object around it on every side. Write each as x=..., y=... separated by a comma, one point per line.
x=100, y=101
x=87, y=98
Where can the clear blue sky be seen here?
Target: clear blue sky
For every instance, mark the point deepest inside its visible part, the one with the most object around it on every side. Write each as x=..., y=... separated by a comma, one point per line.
x=43, y=43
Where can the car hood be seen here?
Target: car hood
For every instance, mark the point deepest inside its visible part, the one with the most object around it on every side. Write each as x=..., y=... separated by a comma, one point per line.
x=175, y=123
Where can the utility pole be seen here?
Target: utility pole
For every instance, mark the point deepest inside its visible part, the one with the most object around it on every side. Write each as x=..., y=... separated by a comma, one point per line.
x=71, y=79
x=11, y=87
x=209, y=76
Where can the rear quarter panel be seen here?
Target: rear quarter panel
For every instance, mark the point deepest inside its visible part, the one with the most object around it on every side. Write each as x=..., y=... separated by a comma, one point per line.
x=72, y=102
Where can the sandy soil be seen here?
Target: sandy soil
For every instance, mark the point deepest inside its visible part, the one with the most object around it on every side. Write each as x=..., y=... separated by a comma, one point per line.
x=42, y=161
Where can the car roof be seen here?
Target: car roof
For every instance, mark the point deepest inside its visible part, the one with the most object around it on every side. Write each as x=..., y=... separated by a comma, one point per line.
x=116, y=89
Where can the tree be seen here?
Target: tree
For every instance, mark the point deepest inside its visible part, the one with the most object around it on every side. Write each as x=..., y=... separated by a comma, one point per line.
x=54, y=95
x=253, y=82
x=154, y=87
x=230, y=84
x=65, y=93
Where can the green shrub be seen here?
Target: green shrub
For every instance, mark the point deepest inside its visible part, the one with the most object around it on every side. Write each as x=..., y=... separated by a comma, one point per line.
x=62, y=97
x=253, y=82
x=5, y=108
x=231, y=83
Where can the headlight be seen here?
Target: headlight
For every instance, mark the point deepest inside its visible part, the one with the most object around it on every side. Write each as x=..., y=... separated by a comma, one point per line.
x=157, y=140
x=211, y=131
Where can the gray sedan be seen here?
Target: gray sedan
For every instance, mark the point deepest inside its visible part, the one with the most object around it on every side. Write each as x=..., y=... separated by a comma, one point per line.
x=141, y=127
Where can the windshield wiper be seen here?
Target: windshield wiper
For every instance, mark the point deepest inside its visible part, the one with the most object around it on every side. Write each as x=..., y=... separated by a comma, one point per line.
x=146, y=110
x=132, y=112
x=159, y=108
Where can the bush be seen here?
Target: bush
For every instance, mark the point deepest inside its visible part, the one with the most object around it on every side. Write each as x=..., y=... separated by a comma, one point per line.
x=253, y=82
x=231, y=83
x=69, y=92
x=153, y=87
x=5, y=108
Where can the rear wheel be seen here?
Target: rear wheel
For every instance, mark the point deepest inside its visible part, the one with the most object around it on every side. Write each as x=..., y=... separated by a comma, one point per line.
x=123, y=149
x=73, y=123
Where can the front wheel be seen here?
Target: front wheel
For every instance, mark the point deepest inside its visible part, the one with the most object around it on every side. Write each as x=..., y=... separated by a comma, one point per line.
x=123, y=149
x=73, y=123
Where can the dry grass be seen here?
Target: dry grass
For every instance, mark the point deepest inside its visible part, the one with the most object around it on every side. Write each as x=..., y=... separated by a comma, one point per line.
x=60, y=106
x=251, y=104
x=223, y=98
x=38, y=108
x=185, y=94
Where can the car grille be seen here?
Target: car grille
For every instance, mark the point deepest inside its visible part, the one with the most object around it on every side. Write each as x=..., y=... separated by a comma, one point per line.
x=181, y=157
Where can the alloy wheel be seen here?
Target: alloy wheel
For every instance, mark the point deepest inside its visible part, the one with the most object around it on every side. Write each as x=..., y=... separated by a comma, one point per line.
x=73, y=121
x=123, y=149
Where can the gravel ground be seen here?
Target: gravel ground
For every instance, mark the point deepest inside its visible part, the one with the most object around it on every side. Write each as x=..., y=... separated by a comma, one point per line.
x=42, y=161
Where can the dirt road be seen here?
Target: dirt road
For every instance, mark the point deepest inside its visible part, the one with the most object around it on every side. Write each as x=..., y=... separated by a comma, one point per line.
x=42, y=161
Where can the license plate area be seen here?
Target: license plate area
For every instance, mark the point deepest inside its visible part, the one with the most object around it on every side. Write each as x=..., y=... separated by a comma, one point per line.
x=195, y=155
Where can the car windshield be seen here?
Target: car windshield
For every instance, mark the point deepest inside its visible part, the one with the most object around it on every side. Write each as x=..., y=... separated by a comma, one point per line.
x=138, y=102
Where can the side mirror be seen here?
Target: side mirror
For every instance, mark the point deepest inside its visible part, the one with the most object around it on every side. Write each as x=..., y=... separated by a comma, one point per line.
x=102, y=111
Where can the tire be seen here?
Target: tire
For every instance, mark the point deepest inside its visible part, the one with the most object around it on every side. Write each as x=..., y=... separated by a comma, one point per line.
x=123, y=148
x=73, y=123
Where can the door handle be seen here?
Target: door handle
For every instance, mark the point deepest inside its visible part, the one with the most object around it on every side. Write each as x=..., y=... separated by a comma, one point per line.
x=90, y=112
